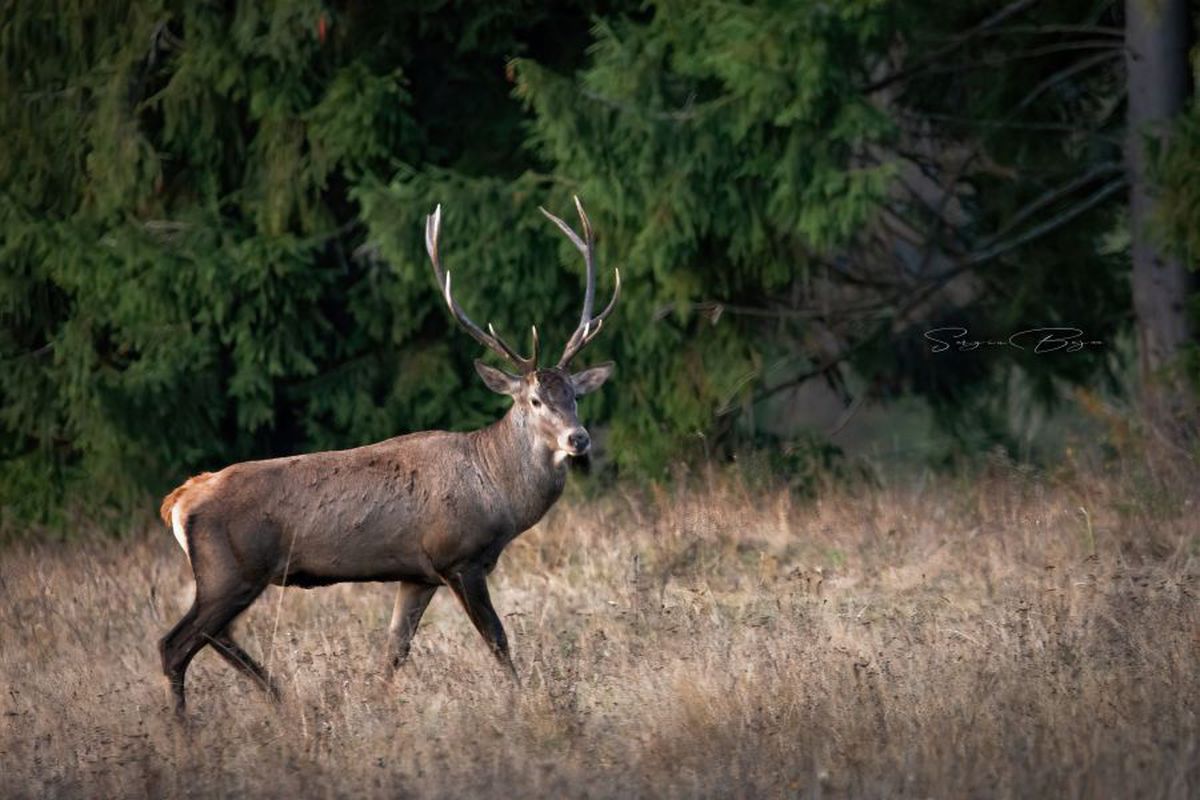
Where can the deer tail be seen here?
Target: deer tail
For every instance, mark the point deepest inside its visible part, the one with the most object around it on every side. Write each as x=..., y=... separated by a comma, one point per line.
x=178, y=492
x=168, y=503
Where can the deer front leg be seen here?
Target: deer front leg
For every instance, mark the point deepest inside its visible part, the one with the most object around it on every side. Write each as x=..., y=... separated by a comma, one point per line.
x=470, y=587
x=411, y=601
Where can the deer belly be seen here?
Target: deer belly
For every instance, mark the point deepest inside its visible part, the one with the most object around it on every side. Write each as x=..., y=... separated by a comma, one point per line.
x=356, y=555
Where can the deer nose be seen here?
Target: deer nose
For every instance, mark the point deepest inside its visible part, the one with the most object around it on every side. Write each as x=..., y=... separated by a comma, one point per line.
x=579, y=441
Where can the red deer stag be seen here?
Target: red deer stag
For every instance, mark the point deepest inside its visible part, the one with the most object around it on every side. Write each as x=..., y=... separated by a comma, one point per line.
x=428, y=509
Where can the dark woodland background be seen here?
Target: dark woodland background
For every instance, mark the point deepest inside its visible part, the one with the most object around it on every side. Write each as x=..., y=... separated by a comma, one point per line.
x=211, y=225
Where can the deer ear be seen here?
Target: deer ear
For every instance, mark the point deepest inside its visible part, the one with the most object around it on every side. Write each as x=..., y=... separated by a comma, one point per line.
x=592, y=378
x=498, y=380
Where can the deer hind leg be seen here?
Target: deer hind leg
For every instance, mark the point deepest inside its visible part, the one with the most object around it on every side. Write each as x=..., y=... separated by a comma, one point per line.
x=217, y=604
x=244, y=663
x=470, y=587
x=169, y=648
x=411, y=601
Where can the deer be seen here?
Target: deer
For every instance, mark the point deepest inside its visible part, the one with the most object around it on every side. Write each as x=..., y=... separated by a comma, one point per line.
x=426, y=509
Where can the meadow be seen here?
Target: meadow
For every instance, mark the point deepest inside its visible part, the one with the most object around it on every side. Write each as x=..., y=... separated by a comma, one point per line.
x=1011, y=633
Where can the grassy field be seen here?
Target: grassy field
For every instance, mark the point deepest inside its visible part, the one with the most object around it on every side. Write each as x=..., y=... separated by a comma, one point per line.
x=1009, y=635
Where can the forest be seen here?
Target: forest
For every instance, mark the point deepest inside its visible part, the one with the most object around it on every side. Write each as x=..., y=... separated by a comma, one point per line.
x=212, y=222
x=892, y=491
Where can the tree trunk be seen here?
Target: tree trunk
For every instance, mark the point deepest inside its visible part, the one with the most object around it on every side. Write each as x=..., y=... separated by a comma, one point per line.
x=1156, y=58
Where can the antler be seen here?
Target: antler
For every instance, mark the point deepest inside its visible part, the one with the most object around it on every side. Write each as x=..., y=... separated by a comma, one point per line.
x=589, y=326
x=491, y=339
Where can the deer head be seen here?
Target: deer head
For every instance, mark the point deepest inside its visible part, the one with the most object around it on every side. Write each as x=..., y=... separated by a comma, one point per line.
x=544, y=399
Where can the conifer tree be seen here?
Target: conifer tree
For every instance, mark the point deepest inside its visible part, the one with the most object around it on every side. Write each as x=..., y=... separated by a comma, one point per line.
x=211, y=216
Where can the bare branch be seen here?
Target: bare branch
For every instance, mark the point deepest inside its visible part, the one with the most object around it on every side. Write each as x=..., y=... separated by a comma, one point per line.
x=958, y=41
x=1057, y=193
x=1064, y=74
x=1108, y=45
x=1042, y=228
x=1095, y=30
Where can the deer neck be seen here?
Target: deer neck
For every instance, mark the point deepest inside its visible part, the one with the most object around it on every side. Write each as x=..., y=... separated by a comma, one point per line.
x=522, y=467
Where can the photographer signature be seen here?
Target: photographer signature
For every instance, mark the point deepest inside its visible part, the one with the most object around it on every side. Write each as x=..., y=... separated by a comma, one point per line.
x=1039, y=340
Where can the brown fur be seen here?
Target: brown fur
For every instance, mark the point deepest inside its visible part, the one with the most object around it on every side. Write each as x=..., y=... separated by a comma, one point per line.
x=169, y=501
x=428, y=509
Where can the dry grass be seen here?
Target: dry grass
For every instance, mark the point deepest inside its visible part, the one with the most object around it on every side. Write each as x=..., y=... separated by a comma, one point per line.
x=1006, y=636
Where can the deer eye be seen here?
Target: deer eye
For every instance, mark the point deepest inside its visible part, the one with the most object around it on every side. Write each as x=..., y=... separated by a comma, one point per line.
x=536, y=403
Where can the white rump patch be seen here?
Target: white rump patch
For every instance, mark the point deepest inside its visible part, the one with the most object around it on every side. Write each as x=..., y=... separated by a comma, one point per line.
x=177, y=526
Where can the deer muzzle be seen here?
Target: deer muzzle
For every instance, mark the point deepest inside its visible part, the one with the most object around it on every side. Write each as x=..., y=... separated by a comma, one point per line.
x=575, y=442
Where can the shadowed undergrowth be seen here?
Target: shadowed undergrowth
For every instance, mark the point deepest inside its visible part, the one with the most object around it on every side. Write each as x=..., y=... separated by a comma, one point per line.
x=1009, y=635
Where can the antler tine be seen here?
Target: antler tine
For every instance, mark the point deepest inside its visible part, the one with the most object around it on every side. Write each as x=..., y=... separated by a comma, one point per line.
x=587, y=247
x=589, y=259
x=522, y=363
x=589, y=330
x=589, y=326
x=598, y=321
x=490, y=340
